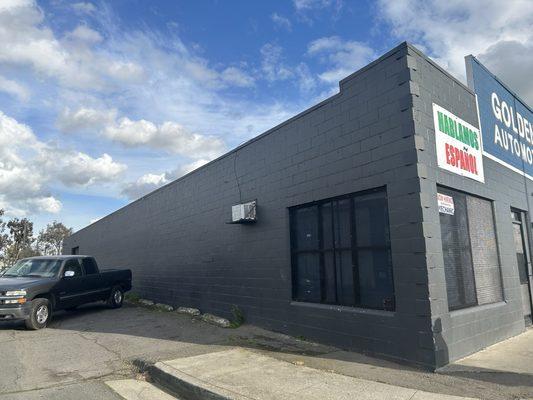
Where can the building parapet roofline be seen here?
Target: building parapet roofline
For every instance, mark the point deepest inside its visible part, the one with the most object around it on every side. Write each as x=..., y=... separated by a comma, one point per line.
x=403, y=45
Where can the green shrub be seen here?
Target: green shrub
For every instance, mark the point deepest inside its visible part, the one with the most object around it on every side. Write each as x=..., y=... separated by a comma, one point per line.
x=238, y=317
x=132, y=297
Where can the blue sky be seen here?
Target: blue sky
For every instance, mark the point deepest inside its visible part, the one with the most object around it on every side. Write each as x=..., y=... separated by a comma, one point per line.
x=103, y=101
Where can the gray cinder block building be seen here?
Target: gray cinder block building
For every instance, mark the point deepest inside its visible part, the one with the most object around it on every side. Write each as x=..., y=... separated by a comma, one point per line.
x=374, y=221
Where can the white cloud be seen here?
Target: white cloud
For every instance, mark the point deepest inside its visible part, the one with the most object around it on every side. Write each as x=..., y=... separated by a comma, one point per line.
x=308, y=10
x=306, y=80
x=47, y=204
x=33, y=45
x=281, y=22
x=84, y=7
x=513, y=62
x=150, y=182
x=342, y=57
x=28, y=168
x=84, y=34
x=14, y=88
x=92, y=221
x=130, y=70
x=85, y=119
x=169, y=136
x=120, y=88
x=498, y=33
x=237, y=77
x=76, y=168
x=272, y=63
x=28, y=42
x=144, y=185
x=185, y=169
x=303, y=5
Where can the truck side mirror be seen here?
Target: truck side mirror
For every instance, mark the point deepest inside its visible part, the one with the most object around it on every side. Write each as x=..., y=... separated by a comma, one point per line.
x=68, y=274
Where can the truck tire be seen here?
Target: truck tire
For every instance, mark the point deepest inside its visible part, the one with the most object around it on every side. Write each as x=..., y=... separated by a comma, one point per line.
x=116, y=297
x=40, y=314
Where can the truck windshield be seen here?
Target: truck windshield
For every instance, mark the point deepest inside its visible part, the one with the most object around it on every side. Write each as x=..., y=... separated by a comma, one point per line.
x=41, y=268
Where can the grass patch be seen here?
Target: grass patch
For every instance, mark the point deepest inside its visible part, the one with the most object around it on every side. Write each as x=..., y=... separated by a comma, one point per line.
x=132, y=297
x=238, y=317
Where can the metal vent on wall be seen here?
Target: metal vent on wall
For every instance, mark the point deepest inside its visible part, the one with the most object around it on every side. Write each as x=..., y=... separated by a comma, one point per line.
x=244, y=213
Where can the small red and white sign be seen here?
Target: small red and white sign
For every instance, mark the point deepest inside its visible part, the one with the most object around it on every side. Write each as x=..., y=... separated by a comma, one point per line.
x=446, y=205
x=459, y=145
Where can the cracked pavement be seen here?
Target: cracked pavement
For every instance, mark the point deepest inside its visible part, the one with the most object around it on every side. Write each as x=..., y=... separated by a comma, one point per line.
x=80, y=350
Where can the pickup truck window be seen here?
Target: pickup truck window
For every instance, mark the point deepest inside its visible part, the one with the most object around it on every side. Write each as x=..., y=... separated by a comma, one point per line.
x=89, y=265
x=73, y=266
x=40, y=268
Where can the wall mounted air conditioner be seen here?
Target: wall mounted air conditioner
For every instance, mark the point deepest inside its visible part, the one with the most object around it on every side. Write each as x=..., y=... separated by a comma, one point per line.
x=244, y=213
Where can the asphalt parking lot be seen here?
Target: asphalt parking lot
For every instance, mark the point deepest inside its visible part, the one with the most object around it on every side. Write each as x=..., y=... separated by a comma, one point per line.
x=81, y=350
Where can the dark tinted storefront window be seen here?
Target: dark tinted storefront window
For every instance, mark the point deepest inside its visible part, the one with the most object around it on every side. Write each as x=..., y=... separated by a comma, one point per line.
x=341, y=251
x=469, y=247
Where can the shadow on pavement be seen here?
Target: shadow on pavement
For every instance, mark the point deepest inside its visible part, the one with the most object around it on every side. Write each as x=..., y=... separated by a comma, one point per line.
x=148, y=335
x=499, y=377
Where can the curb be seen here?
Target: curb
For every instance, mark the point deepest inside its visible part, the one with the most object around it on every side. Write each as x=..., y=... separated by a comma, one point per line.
x=192, y=312
x=176, y=386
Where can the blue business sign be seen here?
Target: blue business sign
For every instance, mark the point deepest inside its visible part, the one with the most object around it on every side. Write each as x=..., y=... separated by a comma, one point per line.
x=506, y=121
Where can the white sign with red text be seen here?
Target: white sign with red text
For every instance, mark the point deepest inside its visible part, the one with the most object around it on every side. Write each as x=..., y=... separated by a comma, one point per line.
x=445, y=203
x=459, y=145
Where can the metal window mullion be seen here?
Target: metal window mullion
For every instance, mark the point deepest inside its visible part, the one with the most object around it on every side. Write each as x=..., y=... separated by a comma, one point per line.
x=294, y=265
x=333, y=214
x=355, y=253
x=526, y=258
x=471, y=255
x=385, y=247
x=524, y=216
x=321, y=254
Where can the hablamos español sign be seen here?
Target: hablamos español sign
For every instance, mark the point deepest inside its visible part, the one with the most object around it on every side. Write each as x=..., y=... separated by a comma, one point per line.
x=459, y=146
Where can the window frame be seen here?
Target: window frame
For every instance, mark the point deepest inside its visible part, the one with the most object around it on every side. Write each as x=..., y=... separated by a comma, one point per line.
x=91, y=260
x=496, y=238
x=65, y=264
x=521, y=222
x=354, y=248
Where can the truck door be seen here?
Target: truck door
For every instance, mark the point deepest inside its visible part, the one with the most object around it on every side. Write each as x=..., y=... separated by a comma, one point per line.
x=97, y=288
x=72, y=285
x=523, y=260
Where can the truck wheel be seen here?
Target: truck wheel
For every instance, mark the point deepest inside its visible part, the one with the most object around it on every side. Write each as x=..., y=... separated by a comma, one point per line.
x=40, y=315
x=116, y=297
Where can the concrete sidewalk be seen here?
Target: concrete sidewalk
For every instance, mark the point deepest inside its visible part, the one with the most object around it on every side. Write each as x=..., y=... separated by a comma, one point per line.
x=241, y=374
x=508, y=363
x=81, y=350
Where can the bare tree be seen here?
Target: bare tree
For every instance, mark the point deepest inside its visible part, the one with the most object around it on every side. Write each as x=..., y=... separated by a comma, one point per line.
x=50, y=239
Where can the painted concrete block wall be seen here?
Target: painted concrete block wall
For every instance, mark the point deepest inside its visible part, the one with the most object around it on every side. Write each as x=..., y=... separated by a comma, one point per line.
x=182, y=251
x=462, y=332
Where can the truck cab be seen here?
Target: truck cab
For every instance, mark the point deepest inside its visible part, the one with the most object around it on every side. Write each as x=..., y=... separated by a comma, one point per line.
x=35, y=287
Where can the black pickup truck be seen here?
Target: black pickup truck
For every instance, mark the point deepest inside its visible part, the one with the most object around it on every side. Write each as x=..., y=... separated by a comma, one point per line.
x=35, y=287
